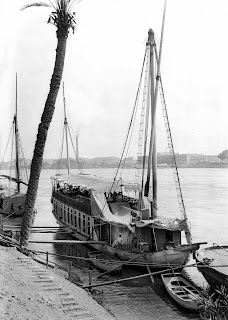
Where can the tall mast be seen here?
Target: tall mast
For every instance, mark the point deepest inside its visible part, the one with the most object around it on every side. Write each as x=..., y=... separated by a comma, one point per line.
x=17, y=144
x=152, y=154
x=151, y=82
x=66, y=127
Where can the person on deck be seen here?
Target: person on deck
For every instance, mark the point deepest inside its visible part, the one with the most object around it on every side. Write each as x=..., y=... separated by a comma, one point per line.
x=118, y=242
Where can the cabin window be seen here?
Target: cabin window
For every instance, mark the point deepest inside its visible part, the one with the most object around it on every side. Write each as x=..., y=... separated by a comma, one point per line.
x=88, y=226
x=79, y=219
x=68, y=215
x=168, y=235
x=71, y=216
x=83, y=223
x=75, y=219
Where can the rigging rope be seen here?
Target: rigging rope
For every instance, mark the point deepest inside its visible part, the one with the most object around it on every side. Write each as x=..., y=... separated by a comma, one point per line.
x=22, y=159
x=170, y=144
x=129, y=133
x=6, y=147
x=78, y=162
x=61, y=150
x=61, y=145
x=131, y=124
x=71, y=138
x=11, y=160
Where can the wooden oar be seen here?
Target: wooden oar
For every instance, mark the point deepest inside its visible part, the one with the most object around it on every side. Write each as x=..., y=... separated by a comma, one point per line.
x=137, y=277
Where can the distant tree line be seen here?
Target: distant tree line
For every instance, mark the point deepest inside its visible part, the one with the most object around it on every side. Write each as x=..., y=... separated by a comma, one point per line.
x=223, y=155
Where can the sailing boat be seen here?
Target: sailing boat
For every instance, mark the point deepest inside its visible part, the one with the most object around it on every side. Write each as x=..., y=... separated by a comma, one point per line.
x=12, y=190
x=98, y=210
x=212, y=263
x=66, y=134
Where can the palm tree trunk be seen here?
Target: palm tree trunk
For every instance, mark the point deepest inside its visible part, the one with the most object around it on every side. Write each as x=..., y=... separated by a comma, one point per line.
x=46, y=118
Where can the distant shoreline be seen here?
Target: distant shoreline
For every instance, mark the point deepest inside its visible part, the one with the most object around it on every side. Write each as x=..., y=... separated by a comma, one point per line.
x=213, y=166
x=161, y=166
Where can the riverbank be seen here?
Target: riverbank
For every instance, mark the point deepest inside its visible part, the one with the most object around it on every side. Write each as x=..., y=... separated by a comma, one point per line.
x=28, y=290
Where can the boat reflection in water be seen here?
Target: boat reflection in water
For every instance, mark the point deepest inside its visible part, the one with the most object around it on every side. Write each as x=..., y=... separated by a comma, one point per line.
x=76, y=253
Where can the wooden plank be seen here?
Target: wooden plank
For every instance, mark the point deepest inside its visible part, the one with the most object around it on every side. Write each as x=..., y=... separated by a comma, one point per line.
x=68, y=241
x=32, y=228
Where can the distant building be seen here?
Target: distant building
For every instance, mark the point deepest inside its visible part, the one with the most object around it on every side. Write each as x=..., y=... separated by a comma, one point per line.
x=102, y=162
x=213, y=159
x=184, y=159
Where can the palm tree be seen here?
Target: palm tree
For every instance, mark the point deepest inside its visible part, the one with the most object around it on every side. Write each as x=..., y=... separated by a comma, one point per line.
x=63, y=19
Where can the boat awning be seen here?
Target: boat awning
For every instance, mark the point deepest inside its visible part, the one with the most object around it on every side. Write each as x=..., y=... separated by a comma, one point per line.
x=93, y=182
x=162, y=222
x=101, y=209
x=120, y=213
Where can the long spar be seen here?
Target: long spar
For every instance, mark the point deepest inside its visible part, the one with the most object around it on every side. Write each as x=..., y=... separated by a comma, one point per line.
x=137, y=277
x=153, y=114
x=16, y=144
x=66, y=124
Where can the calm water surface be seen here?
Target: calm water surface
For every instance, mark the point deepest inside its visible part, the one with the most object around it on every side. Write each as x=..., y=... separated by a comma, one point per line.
x=205, y=193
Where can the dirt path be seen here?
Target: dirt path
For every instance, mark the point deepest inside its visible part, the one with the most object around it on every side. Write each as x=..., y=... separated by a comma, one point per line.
x=29, y=291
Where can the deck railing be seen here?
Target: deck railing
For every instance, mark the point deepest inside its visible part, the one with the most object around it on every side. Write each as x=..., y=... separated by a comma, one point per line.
x=81, y=203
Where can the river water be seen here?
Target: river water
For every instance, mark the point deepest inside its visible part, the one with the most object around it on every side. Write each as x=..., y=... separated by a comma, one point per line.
x=205, y=192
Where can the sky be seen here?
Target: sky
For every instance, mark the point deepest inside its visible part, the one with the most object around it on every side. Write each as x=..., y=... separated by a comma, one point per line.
x=102, y=69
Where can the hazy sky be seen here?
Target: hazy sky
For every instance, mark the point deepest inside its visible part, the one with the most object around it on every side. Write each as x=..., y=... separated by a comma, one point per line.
x=102, y=69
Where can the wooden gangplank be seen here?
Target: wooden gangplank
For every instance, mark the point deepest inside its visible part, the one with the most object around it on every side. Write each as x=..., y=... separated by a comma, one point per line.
x=68, y=241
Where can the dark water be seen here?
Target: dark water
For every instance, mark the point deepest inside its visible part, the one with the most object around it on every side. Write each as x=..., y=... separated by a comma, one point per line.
x=205, y=193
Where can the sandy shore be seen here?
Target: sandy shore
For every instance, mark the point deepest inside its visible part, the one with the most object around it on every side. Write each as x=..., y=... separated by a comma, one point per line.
x=30, y=291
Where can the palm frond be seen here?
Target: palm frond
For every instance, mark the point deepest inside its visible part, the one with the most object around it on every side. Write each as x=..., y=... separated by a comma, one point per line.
x=36, y=4
x=72, y=3
x=62, y=16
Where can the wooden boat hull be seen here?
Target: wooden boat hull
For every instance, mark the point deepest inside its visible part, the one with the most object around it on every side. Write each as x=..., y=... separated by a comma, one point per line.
x=175, y=257
x=161, y=259
x=81, y=205
x=12, y=203
x=212, y=263
x=181, y=290
x=105, y=262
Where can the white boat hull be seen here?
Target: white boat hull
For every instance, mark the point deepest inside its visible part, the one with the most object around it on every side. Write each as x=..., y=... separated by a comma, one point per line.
x=181, y=290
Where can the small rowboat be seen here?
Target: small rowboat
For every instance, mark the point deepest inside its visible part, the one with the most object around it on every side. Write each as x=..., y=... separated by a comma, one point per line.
x=181, y=290
x=105, y=262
